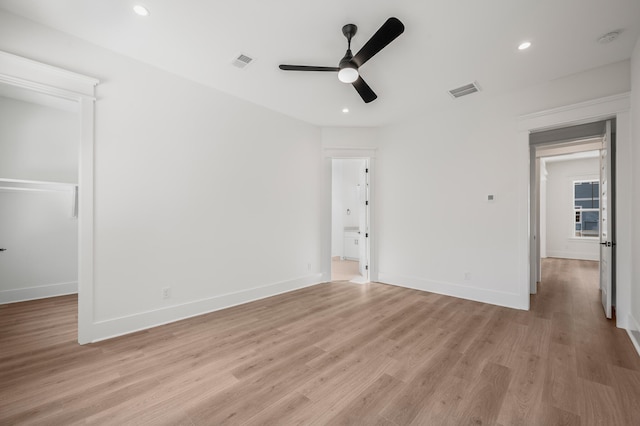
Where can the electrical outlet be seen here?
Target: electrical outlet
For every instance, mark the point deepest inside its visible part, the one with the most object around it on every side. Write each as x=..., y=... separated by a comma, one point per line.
x=166, y=292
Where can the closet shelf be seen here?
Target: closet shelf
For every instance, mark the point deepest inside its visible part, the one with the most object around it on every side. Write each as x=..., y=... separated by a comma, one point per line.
x=32, y=185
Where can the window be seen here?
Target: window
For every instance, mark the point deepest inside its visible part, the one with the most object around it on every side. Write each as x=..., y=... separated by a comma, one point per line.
x=586, y=205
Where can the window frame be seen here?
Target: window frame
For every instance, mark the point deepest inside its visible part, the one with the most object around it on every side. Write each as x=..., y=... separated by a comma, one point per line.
x=578, y=210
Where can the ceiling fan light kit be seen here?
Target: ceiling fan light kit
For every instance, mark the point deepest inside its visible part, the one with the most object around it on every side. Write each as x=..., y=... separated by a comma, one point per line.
x=348, y=67
x=348, y=74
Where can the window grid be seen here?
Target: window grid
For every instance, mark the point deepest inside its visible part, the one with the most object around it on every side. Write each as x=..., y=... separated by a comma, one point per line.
x=586, y=205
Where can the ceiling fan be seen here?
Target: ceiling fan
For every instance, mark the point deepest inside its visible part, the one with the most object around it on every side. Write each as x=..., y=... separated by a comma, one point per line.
x=347, y=69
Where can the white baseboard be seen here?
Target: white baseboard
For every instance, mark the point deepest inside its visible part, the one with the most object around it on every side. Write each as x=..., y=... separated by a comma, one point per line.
x=39, y=292
x=572, y=255
x=509, y=300
x=102, y=330
x=634, y=332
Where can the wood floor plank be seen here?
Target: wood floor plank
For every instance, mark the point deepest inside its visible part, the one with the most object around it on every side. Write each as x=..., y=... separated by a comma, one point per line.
x=553, y=416
x=406, y=406
x=281, y=412
x=232, y=405
x=443, y=408
x=525, y=391
x=626, y=384
x=364, y=409
x=561, y=380
x=486, y=397
x=598, y=405
x=345, y=386
x=335, y=353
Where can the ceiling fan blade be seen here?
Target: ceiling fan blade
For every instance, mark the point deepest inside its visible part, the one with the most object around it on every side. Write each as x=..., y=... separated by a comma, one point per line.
x=307, y=68
x=364, y=91
x=388, y=32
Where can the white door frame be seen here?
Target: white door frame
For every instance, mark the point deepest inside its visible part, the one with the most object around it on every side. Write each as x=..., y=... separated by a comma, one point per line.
x=618, y=107
x=44, y=79
x=328, y=154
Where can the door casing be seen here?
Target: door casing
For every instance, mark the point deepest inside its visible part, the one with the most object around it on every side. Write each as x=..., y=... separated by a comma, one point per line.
x=618, y=107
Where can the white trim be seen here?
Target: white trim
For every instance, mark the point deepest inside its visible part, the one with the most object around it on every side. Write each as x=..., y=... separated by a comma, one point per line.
x=349, y=152
x=115, y=327
x=617, y=106
x=35, y=76
x=509, y=300
x=85, y=223
x=580, y=113
x=39, y=292
x=41, y=88
x=633, y=331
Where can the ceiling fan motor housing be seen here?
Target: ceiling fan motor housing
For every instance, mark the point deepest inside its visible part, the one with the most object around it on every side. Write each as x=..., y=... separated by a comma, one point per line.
x=346, y=60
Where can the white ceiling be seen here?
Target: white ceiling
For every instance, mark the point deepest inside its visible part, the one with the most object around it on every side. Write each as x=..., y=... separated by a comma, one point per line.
x=446, y=44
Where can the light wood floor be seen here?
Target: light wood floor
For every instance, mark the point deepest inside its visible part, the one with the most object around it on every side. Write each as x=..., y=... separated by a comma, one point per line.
x=334, y=353
x=344, y=270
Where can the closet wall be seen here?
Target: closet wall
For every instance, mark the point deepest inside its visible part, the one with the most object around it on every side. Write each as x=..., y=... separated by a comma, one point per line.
x=38, y=171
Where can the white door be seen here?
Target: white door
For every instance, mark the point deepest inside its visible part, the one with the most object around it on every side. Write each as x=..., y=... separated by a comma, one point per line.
x=607, y=229
x=363, y=220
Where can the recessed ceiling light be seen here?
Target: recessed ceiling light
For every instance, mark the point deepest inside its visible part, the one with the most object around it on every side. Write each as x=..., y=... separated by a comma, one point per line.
x=141, y=10
x=345, y=110
x=525, y=45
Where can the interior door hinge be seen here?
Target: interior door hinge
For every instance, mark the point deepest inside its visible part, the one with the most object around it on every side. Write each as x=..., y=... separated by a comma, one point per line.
x=366, y=267
x=366, y=203
x=366, y=170
x=366, y=235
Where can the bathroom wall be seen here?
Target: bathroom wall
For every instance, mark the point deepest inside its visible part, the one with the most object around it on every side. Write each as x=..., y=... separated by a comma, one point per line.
x=345, y=205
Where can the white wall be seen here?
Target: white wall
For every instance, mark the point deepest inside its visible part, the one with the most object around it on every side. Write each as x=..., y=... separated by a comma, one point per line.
x=560, y=241
x=37, y=142
x=350, y=137
x=635, y=122
x=195, y=190
x=344, y=197
x=41, y=238
x=435, y=171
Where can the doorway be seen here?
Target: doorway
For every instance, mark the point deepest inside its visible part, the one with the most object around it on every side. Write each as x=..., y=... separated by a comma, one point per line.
x=350, y=220
x=573, y=203
x=59, y=85
x=38, y=195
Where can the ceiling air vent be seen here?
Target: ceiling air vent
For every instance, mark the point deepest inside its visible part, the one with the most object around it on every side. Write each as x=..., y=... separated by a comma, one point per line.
x=241, y=61
x=465, y=90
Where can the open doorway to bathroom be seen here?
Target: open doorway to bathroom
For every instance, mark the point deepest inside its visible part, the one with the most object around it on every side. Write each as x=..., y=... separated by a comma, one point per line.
x=350, y=220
